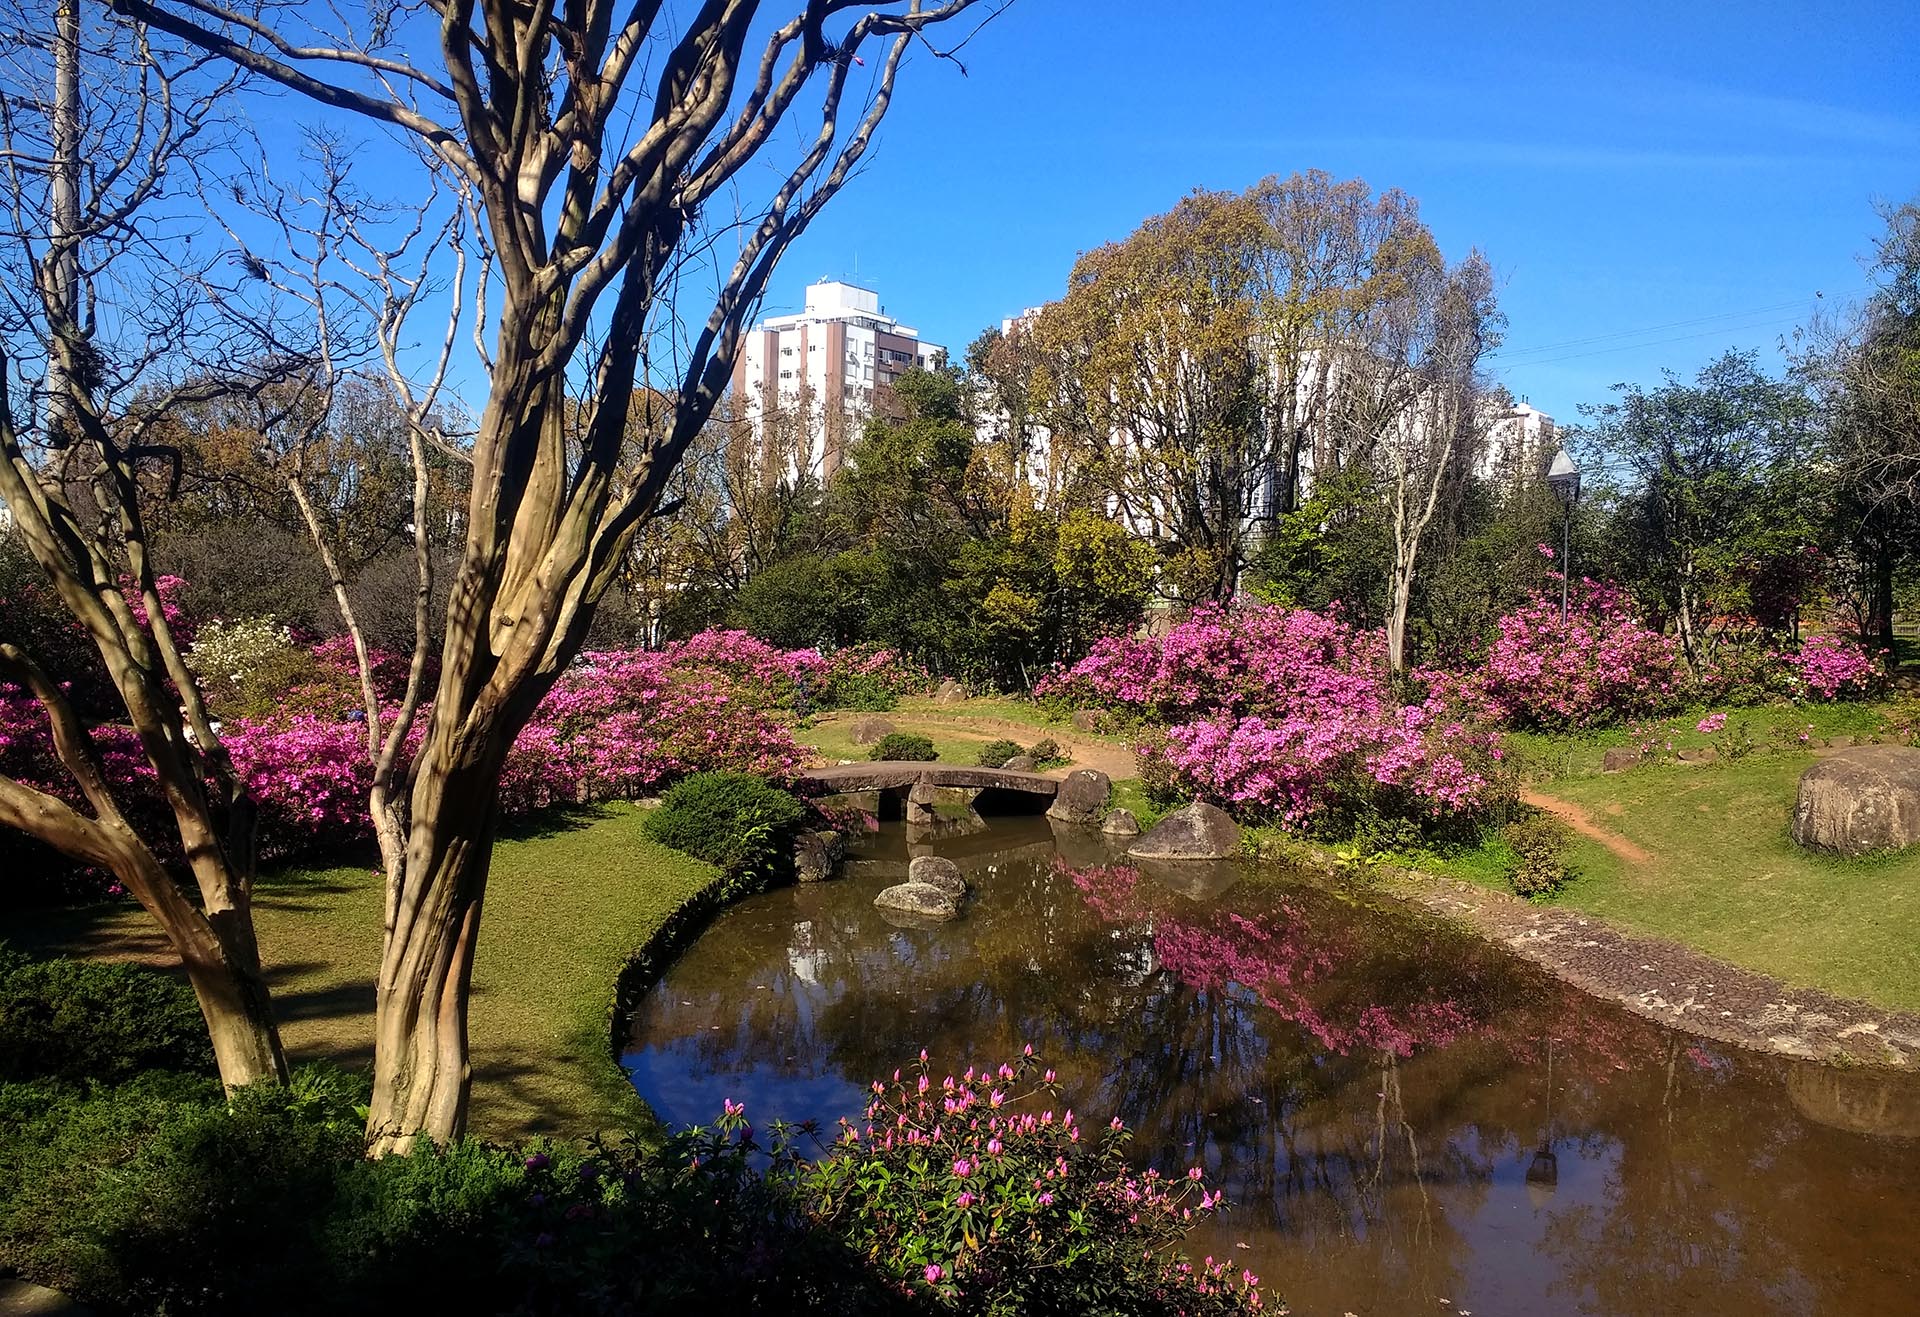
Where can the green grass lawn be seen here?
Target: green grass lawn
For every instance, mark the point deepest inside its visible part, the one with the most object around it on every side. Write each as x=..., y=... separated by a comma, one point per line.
x=1724, y=876
x=566, y=903
x=1544, y=756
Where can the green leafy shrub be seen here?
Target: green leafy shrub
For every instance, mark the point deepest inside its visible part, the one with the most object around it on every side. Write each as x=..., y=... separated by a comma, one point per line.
x=163, y=1196
x=995, y=753
x=82, y=1021
x=1048, y=754
x=741, y=824
x=904, y=745
x=861, y=692
x=1540, y=845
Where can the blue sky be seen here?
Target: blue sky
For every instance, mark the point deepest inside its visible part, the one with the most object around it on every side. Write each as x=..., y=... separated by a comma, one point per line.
x=1654, y=183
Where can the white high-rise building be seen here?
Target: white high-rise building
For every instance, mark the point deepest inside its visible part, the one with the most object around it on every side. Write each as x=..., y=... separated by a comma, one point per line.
x=1521, y=440
x=819, y=370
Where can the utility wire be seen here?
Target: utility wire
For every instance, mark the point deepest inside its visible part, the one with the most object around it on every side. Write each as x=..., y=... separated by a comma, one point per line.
x=1543, y=348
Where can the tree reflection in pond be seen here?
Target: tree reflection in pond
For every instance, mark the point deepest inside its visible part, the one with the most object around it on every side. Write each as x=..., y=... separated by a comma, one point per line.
x=1369, y=1085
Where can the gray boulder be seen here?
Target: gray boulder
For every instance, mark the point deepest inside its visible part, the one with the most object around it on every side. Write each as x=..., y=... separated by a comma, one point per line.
x=1198, y=832
x=866, y=731
x=1021, y=764
x=1619, y=760
x=918, y=900
x=1091, y=720
x=816, y=854
x=1120, y=823
x=1082, y=797
x=1860, y=801
x=949, y=692
x=937, y=871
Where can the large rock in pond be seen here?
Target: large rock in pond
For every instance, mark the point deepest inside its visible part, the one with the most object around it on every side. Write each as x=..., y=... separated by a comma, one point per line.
x=816, y=854
x=867, y=731
x=937, y=871
x=1860, y=801
x=1082, y=797
x=1120, y=823
x=917, y=901
x=1198, y=832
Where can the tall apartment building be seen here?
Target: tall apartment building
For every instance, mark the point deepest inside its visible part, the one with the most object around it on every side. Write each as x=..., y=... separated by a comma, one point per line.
x=1521, y=440
x=804, y=383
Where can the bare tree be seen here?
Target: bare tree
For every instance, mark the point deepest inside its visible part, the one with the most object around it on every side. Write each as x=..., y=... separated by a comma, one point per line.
x=1412, y=405
x=102, y=128
x=596, y=197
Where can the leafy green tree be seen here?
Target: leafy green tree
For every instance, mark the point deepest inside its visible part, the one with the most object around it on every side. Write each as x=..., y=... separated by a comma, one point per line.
x=1718, y=487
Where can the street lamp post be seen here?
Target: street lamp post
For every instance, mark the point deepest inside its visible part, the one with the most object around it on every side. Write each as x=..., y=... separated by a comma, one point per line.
x=1563, y=477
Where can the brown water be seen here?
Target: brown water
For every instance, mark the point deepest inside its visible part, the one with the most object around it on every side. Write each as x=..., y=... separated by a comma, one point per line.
x=1406, y=1120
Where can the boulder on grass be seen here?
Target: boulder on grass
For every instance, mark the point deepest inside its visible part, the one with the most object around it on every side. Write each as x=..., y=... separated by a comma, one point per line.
x=1120, y=823
x=937, y=871
x=949, y=692
x=1198, y=832
x=1021, y=764
x=1860, y=801
x=1619, y=760
x=867, y=731
x=1082, y=797
x=817, y=854
x=917, y=901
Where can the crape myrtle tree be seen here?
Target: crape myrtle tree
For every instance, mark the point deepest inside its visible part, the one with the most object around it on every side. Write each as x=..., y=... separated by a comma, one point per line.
x=106, y=131
x=606, y=148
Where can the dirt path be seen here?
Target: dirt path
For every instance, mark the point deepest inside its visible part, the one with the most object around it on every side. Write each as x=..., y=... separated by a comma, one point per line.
x=1576, y=818
x=1674, y=984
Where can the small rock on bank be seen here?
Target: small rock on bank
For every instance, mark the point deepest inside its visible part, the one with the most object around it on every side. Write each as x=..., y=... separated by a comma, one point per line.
x=1082, y=797
x=1120, y=823
x=1198, y=832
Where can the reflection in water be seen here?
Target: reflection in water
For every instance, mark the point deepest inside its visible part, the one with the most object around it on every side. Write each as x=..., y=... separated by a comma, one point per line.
x=1399, y=1113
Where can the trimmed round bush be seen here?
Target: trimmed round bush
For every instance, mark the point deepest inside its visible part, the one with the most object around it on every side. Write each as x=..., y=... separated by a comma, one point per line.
x=741, y=824
x=995, y=753
x=904, y=745
x=1540, y=844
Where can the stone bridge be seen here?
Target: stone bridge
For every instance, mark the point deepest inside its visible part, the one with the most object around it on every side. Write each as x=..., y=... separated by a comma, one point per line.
x=998, y=790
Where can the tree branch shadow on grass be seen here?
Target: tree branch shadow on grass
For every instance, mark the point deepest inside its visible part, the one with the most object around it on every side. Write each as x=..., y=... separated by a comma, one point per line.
x=552, y=821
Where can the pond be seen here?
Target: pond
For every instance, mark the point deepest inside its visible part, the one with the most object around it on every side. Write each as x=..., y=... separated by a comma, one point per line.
x=1405, y=1118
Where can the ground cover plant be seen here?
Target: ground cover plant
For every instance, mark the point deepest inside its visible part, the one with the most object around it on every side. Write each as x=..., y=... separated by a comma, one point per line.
x=155, y=1192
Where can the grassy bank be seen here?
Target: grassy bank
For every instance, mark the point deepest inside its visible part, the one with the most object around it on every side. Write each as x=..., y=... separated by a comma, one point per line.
x=567, y=902
x=1720, y=873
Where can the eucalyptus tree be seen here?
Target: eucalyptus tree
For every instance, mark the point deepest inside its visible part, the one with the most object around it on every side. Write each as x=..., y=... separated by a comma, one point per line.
x=607, y=149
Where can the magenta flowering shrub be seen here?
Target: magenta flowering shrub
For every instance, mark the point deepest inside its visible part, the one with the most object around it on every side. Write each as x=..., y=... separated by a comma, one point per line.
x=1597, y=666
x=770, y=677
x=978, y=1191
x=1832, y=668
x=1288, y=712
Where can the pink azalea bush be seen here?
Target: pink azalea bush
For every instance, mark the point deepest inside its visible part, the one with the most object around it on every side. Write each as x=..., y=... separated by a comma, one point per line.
x=1288, y=712
x=1832, y=668
x=1597, y=666
x=980, y=1192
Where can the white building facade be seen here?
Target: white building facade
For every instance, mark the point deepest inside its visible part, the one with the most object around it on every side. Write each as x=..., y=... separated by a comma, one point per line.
x=819, y=370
